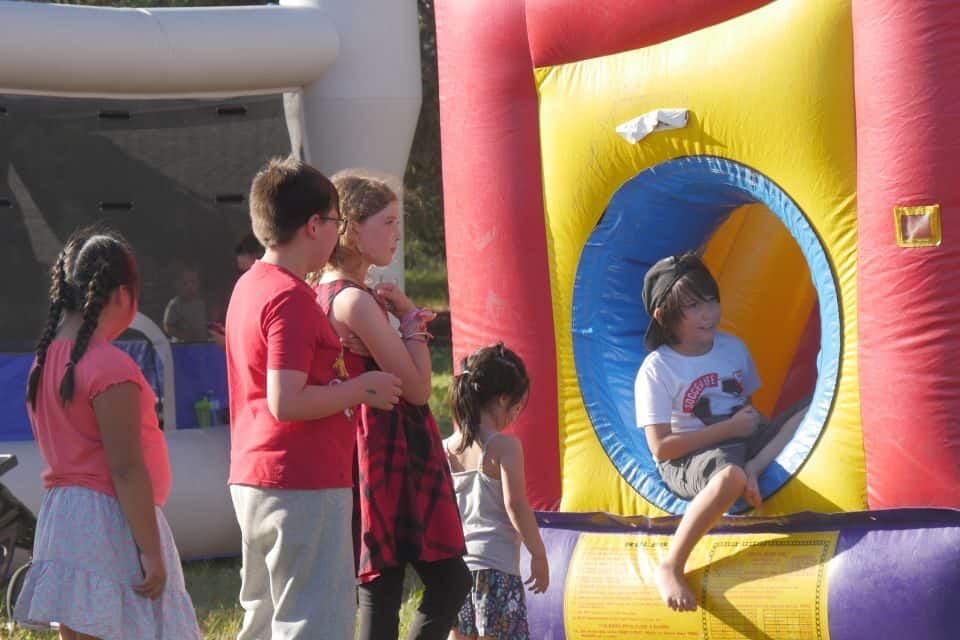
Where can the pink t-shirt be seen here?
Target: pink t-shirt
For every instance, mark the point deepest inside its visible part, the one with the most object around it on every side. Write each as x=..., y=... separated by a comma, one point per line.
x=69, y=436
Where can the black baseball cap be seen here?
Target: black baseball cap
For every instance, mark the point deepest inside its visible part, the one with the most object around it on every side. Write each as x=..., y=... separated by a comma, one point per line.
x=657, y=285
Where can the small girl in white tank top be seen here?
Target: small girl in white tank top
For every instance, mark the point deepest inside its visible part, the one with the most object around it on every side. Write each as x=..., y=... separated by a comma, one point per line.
x=487, y=468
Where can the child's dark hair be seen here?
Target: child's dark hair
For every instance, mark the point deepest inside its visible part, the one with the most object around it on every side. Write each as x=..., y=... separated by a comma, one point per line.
x=693, y=283
x=93, y=263
x=284, y=195
x=487, y=374
x=248, y=246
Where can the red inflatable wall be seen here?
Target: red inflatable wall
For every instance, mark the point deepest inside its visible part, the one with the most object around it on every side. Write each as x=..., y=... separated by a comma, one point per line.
x=564, y=30
x=908, y=140
x=493, y=209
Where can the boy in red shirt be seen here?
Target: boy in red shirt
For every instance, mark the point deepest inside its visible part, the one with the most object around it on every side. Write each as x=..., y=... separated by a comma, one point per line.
x=291, y=432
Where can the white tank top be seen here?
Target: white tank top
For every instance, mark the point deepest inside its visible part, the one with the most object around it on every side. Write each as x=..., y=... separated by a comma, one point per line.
x=492, y=542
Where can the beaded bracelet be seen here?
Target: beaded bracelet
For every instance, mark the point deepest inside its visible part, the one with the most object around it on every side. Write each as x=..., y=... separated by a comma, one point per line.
x=411, y=317
x=418, y=336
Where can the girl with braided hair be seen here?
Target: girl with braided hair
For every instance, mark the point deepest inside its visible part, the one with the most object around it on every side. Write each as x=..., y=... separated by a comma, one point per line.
x=487, y=467
x=104, y=561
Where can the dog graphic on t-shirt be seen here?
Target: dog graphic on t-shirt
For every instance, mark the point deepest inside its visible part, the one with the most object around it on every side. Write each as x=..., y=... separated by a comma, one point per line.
x=730, y=395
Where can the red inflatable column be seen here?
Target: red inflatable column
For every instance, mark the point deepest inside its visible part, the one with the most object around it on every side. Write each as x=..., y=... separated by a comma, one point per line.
x=908, y=140
x=493, y=208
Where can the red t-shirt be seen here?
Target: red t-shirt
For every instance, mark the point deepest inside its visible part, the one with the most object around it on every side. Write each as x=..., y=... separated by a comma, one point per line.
x=274, y=322
x=69, y=436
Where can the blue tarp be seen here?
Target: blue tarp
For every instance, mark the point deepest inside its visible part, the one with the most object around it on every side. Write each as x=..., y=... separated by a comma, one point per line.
x=198, y=368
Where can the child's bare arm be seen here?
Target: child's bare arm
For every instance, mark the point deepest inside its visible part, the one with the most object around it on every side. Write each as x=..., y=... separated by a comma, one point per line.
x=118, y=416
x=760, y=415
x=290, y=398
x=518, y=510
x=666, y=445
x=410, y=360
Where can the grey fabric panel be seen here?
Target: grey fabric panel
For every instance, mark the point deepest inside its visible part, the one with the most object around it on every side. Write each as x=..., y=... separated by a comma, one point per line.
x=153, y=169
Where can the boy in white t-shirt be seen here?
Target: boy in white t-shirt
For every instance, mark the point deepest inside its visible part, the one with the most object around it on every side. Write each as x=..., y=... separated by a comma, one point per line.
x=693, y=400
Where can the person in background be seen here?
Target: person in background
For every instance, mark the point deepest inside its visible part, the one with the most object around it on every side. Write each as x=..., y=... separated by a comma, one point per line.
x=246, y=252
x=185, y=318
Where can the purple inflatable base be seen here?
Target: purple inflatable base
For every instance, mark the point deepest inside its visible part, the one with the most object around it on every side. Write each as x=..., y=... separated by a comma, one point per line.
x=895, y=573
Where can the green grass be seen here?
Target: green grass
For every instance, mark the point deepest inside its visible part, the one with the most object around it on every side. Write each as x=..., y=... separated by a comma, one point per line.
x=214, y=584
x=427, y=286
x=442, y=356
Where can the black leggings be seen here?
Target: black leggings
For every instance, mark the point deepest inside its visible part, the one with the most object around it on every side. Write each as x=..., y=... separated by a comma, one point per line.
x=445, y=587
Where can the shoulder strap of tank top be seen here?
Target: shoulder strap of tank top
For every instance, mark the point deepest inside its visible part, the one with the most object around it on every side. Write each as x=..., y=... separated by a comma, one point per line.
x=483, y=450
x=335, y=287
x=350, y=284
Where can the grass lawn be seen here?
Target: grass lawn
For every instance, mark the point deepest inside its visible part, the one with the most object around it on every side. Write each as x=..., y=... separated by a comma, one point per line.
x=214, y=584
x=442, y=357
x=427, y=286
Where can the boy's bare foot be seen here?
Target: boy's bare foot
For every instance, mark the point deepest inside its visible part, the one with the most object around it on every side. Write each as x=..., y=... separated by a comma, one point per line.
x=751, y=492
x=673, y=588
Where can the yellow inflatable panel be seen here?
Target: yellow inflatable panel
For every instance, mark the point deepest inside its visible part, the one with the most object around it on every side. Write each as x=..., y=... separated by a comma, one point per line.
x=767, y=295
x=752, y=586
x=779, y=62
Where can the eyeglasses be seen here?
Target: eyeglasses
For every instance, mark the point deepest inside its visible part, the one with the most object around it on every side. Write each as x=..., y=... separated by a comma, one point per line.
x=340, y=220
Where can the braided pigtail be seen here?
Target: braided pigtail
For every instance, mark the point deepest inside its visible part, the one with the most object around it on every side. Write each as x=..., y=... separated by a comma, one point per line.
x=58, y=285
x=98, y=292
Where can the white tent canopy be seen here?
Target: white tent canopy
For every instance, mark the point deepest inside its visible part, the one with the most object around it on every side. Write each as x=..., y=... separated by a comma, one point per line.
x=350, y=72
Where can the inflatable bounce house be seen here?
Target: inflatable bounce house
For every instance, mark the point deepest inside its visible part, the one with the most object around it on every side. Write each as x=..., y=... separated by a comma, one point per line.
x=155, y=121
x=805, y=148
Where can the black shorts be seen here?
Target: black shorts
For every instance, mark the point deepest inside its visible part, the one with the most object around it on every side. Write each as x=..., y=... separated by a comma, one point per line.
x=687, y=475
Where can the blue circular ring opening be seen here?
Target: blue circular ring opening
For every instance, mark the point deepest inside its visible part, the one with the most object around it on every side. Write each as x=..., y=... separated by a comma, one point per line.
x=669, y=209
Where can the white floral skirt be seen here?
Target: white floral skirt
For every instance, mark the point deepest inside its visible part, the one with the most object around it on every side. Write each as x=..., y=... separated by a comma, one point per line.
x=85, y=565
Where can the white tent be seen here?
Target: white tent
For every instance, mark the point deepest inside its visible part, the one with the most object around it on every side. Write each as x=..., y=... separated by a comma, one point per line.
x=350, y=74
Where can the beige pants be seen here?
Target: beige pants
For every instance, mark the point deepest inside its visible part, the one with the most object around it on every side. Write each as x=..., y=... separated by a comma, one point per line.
x=298, y=576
